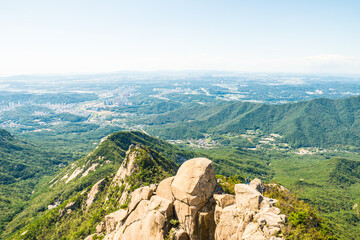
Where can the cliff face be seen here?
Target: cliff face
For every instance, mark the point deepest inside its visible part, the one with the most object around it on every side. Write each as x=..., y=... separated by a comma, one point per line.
x=186, y=207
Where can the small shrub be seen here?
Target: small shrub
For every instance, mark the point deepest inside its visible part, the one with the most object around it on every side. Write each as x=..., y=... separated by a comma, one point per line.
x=174, y=222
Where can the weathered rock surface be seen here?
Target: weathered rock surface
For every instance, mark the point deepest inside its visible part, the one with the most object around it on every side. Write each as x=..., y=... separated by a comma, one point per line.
x=194, y=182
x=247, y=197
x=127, y=167
x=189, y=198
x=251, y=217
x=224, y=200
x=143, y=193
x=164, y=189
x=111, y=221
x=180, y=234
x=227, y=221
x=92, y=194
x=192, y=188
x=148, y=220
x=257, y=184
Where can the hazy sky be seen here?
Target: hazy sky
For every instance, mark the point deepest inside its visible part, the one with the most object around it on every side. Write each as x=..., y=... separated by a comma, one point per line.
x=62, y=36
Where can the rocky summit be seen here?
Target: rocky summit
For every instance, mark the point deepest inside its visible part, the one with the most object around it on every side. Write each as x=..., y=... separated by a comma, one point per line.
x=188, y=206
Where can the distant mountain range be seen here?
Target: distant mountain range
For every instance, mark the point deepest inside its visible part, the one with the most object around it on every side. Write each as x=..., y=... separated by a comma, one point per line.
x=316, y=123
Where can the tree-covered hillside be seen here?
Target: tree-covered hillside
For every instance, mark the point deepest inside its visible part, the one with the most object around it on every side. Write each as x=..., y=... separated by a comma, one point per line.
x=83, y=173
x=22, y=165
x=330, y=182
x=75, y=217
x=59, y=208
x=106, y=159
x=319, y=122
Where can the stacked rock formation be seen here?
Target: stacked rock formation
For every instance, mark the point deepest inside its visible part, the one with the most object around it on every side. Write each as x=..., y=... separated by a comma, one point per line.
x=185, y=207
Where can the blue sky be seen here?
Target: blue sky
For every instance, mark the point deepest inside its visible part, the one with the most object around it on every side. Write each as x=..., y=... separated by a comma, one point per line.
x=251, y=36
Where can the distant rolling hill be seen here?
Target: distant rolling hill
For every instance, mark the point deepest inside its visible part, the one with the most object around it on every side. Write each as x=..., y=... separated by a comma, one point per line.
x=319, y=122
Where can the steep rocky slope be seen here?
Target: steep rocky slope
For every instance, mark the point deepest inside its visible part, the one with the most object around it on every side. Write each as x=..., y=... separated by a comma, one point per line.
x=138, y=197
x=74, y=182
x=77, y=216
x=186, y=206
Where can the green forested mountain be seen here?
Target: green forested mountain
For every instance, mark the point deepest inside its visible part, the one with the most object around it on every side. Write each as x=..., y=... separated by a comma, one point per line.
x=319, y=122
x=102, y=162
x=59, y=209
x=21, y=167
x=75, y=218
x=32, y=178
x=105, y=160
x=331, y=183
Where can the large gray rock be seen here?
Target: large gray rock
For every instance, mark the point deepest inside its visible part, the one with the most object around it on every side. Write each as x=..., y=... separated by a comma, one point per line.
x=253, y=232
x=128, y=165
x=113, y=219
x=268, y=202
x=249, y=217
x=148, y=220
x=247, y=197
x=224, y=200
x=257, y=184
x=188, y=218
x=143, y=193
x=192, y=188
x=164, y=189
x=227, y=222
x=194, y=182
x=164, y=206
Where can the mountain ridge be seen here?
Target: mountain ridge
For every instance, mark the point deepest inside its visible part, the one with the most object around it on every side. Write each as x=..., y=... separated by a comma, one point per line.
x=100, y=163
x=315, y=123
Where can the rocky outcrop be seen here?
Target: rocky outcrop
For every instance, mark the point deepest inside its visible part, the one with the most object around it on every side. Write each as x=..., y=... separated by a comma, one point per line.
x=128, y=166
x=148, y=220
x=194, y=182
x=247, y=198
x=185, y=207
x=74, y=174
x=140, y=194
x=164, y=189
x=252, y=216
x=92, y=194
x=192, y=188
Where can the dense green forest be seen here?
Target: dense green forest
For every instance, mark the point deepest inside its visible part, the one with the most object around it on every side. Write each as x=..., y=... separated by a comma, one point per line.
x=331, y=182
x=78, y=138
x=109, y=155
x=320, y=122
x=22, y=165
